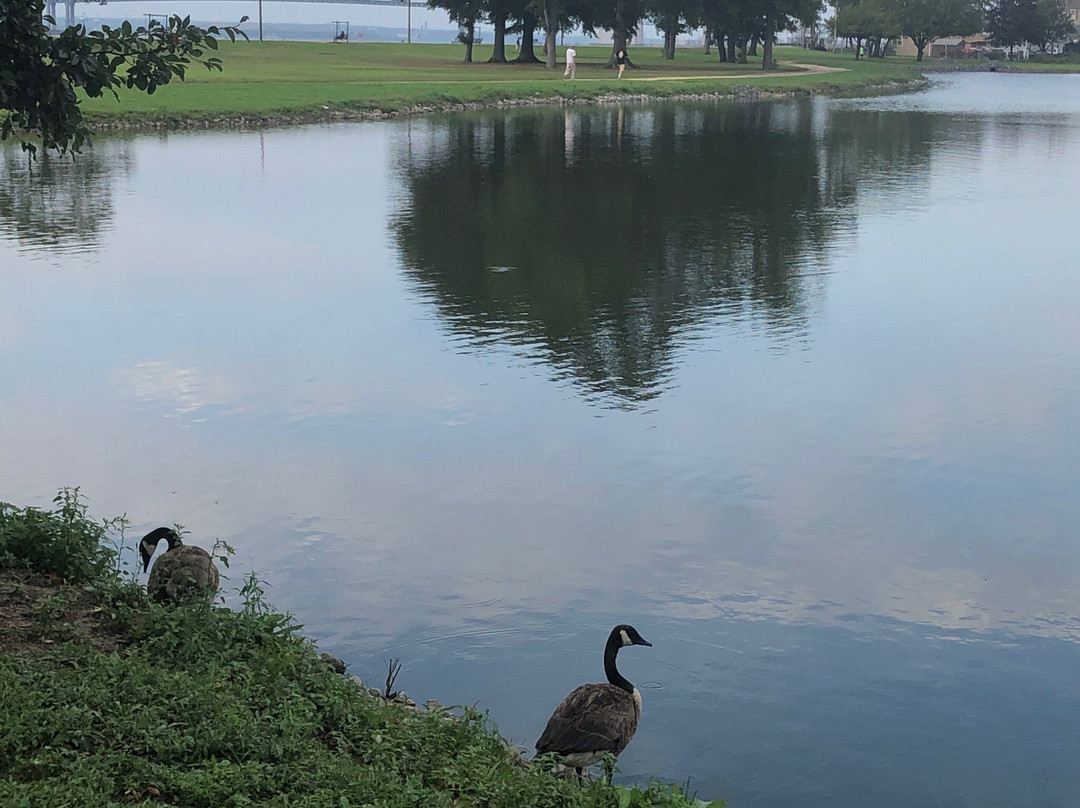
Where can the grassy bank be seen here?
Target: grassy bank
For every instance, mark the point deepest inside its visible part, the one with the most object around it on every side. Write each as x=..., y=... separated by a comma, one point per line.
x=317, y=81
x=111, y=700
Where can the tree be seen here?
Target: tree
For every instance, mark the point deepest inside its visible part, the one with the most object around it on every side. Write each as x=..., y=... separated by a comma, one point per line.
x=1010, y=22
x=526, y=26
x=41, y=74
x=866, y=20
x=465, y=13
x=780, y=15
x=674, y=17
x=618, y=16
x=497, y=12
x=1050, y=23
x=926, y=20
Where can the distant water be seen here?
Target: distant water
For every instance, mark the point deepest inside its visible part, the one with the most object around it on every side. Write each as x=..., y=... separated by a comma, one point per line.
x=793, y=387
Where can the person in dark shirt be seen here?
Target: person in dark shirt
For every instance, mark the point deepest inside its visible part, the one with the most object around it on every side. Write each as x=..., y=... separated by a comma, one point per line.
x=620, y=60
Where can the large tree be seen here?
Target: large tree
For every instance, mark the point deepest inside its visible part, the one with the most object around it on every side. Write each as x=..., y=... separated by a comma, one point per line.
x=618, y=16
x=779, y=15
x=497, y=13
x=1050, y=23
x=1010, y=22
x=673, y=17
x=465, y=13
x=867, y=20
x=923, y=21
x=41, y=74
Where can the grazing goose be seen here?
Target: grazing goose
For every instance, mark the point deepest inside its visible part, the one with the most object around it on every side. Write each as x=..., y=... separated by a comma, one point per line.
x=183, y=571
x=596, y=719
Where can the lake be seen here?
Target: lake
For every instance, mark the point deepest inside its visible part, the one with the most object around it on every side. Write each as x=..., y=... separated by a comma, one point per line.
x=792, y=387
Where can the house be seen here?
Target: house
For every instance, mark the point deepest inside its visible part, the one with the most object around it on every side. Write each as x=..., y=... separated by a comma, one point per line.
x=954, y=47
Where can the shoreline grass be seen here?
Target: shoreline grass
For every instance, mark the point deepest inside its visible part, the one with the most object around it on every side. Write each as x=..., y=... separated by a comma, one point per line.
x=317, y=81
x=110, y=699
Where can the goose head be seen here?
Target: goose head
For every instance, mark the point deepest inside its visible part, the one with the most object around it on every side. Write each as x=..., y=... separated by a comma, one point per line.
x=150, y=541
x=624, y=634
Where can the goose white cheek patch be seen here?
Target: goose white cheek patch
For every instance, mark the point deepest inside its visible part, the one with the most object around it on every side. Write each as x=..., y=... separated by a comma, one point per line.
x=625, y=638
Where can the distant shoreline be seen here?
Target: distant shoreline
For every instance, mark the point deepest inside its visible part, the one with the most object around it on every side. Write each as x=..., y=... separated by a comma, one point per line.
x=283, y=84
x=300, y=117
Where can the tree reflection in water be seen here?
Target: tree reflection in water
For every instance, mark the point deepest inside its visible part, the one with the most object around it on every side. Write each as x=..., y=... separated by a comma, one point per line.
x=598, y=239
x=61, y=204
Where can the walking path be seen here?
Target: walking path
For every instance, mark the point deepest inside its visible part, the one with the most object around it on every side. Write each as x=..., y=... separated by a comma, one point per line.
x=804, y=70
x=757, y=74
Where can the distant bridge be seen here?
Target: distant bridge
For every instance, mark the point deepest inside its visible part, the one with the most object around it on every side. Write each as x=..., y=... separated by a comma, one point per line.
x=69, y=6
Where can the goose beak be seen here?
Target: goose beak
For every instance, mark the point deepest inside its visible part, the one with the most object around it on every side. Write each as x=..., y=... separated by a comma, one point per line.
x=643, y=642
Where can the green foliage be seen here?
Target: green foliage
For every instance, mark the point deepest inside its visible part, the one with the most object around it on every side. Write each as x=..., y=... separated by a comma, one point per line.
x=867, y=18
x=40, y=73
x=63, y=541
x=926, y=20
x=213, y=708
x=1040, y=22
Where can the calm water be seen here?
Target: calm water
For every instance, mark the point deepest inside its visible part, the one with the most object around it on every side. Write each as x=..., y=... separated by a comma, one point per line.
x=794, y=388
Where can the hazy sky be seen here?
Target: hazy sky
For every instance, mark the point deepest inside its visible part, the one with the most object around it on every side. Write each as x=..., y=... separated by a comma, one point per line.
x=229, y=11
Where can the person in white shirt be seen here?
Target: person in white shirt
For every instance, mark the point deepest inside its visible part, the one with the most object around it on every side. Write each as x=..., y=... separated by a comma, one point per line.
x=571, y=63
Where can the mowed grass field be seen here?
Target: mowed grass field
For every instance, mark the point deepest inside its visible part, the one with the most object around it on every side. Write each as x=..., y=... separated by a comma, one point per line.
x=283, y=78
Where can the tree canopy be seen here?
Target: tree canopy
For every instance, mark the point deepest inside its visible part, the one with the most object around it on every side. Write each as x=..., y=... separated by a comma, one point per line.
x=41, y=74
x=742, y=23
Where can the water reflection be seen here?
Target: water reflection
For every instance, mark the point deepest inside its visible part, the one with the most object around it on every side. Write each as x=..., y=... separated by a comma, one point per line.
x=61, y=204
x=600, y=239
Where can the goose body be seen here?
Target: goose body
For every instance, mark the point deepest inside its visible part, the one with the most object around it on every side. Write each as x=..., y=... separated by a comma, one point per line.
x=596, y=719
x=184, y=571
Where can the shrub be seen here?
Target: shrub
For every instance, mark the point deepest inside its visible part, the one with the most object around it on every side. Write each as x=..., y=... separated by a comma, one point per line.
x=64, y=541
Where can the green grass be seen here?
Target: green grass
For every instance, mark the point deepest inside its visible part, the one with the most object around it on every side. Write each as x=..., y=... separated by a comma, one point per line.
x=295, y=78
x=109, y=700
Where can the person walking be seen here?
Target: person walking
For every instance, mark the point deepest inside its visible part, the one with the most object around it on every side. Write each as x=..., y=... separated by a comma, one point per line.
x=620, y=60
x=571, y=64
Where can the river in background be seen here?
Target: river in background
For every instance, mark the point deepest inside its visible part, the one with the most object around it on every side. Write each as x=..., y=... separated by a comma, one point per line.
x=793, y=387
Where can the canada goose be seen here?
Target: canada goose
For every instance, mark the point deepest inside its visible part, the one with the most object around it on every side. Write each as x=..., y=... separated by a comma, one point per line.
x=181, y=572
x=598, y=718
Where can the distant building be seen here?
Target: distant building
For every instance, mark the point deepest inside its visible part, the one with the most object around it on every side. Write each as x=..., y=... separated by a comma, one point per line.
x=953, y=47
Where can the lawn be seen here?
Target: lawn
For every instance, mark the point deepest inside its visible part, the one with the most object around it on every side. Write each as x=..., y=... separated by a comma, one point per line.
x=283, y=78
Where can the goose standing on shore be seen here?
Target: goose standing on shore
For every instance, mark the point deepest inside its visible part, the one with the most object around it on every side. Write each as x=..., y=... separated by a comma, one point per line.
x=183, y=571
x=598, y=718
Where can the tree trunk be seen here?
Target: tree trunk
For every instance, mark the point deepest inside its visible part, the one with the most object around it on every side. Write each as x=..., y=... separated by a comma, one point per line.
x=767, y=61
x=858, y=47
x=618, y=36
x=920, y=47
x=753, y=46
x=669, y=44
x=708, y=41
x=551, y=32
x=471, y=28
x=498, y=21
x=742, y=50
x=731, y=56
x=528, y=32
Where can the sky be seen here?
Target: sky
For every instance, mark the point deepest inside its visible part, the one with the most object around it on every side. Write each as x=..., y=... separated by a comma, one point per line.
x=227, y=11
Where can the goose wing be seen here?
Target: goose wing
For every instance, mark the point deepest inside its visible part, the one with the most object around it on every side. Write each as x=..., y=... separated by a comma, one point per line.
x=593, y=718
x=182, y=572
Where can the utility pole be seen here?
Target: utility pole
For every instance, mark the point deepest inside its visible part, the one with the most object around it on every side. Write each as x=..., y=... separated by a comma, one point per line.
x=260, y=21
x=408, y=5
